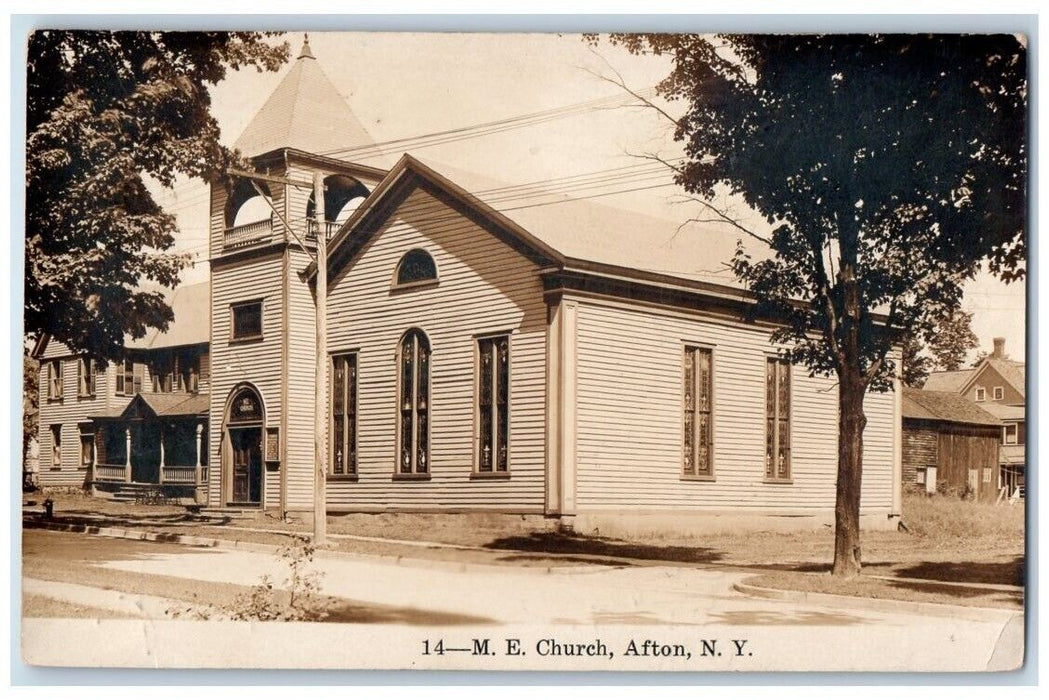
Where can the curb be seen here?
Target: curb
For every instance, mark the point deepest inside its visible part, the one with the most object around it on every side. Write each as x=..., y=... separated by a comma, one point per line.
x=243, y=545
x=878, y=604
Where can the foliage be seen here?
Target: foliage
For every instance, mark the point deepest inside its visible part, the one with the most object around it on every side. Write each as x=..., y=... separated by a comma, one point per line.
x=106, y=113
x=888, y=166
x=953, y=340
x=916, y=366
x=297, y=599
x=30, y=402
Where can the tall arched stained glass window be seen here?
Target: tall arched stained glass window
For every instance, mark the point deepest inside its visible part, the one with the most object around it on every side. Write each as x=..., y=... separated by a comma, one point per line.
x=416, y=266
x=413, y=404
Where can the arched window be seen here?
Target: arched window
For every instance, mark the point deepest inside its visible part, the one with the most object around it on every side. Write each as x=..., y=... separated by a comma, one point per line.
x=416, y=266
x=245, y=206
x=413, y=404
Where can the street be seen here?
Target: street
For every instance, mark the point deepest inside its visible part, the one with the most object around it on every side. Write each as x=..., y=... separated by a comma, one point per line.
x=398, y=610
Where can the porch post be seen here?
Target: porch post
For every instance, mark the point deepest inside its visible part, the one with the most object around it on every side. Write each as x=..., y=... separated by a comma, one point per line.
x=161, y=453
x=198, y=492
x=127, y=452
x=200, y=430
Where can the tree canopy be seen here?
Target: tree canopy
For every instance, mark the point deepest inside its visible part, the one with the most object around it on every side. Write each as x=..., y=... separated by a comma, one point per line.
x=104, y=112
x=888, y=167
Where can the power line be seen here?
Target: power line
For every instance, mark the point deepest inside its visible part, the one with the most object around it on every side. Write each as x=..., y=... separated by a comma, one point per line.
x=485, y=128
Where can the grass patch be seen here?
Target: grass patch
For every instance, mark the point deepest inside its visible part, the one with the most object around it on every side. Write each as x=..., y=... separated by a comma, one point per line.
x=943, y=517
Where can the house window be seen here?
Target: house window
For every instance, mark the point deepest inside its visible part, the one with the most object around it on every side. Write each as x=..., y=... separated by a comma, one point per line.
x=56, y=446
x=129, y=378
x=85, y=370
x=416, y=266
x=919, y=476
x=247, y=320
x=981, y=394
x=493, y=404
x=54, y=379
x=1010, y=433
x=998, y=393
x=777, y=419
x=87, y=448
x=413, y=434
x=344, y=414
x=698, y=388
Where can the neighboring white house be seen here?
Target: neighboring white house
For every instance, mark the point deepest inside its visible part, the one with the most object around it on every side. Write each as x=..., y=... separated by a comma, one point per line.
x=534, y=361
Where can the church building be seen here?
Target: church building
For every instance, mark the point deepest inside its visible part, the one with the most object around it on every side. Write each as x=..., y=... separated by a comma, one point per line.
x=522, y=360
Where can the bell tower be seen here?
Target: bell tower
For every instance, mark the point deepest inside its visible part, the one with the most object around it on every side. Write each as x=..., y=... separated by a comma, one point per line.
x=261, y=237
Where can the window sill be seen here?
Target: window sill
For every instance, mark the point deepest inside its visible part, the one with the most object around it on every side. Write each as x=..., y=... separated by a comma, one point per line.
x=85, y=396
x=788, y=480
x=342, y=477
x=245, y=340
x=484, y=476
x=698, y=477
x=54, y=399
x=420, y=476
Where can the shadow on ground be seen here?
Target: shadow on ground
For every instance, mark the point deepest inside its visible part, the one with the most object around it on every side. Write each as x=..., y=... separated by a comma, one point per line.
x=97, y=519
x=769, y=617
x=955, y=591
x=1010, y=573
x=561, y=543
x=371, y=615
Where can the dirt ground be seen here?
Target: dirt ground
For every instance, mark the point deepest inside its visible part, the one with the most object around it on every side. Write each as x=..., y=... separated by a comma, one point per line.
x=947, y=541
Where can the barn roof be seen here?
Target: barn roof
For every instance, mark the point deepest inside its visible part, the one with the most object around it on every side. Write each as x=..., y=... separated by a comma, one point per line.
x=191, y=305
x=944, y=406
x=304, y=112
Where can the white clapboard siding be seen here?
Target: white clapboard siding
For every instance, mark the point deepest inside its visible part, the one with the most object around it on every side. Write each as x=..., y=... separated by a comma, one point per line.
x=300, y=389
x=630, y=424
x=485, y=287
x=257, y=362
x=68, y=413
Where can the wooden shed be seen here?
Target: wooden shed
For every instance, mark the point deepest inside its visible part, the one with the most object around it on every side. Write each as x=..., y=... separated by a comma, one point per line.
x=950, y=445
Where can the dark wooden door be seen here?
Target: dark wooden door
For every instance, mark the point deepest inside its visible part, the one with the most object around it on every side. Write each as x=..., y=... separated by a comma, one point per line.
x=247, y=464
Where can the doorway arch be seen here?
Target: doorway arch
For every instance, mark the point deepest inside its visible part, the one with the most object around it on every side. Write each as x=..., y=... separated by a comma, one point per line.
x=243, y=471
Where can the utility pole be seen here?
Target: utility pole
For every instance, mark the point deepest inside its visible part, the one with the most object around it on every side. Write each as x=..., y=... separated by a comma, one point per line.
x=320, y=422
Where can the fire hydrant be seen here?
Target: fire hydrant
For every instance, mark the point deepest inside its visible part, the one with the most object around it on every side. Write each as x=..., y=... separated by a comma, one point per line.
x=49, y=508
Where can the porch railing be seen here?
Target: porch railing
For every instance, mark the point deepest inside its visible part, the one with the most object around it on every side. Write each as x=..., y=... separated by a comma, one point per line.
x=109, y=472
x=181, y=475
x=248, y=234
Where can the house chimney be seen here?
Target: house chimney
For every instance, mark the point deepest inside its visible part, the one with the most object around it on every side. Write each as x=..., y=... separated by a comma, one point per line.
x=999, y=348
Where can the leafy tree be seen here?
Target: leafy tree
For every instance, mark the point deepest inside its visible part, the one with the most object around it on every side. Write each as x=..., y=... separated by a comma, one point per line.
x=916, y=366
x=888, y=167
x=30, y=405
x=104, y=112
x=953, y=340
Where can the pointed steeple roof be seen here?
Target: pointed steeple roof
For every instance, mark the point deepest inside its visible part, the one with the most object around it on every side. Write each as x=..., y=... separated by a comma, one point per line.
x=305, y=112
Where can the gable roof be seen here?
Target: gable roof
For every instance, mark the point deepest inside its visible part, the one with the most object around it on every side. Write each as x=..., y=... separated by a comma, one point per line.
x=305, y=112
x=191, y=305
x=947, y=381
x=572, y=234
x=166, y=405
x=944, y=406
x=1011, y=371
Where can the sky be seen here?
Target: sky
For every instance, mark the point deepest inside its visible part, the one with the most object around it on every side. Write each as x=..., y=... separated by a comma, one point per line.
x=404, y=85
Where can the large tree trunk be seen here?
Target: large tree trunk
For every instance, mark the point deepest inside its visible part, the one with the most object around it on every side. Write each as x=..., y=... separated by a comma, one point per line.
x=851, y=422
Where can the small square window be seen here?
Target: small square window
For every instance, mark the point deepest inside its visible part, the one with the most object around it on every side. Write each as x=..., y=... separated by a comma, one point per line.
x=247, y=321
x=981, y=394
x=998, y=393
